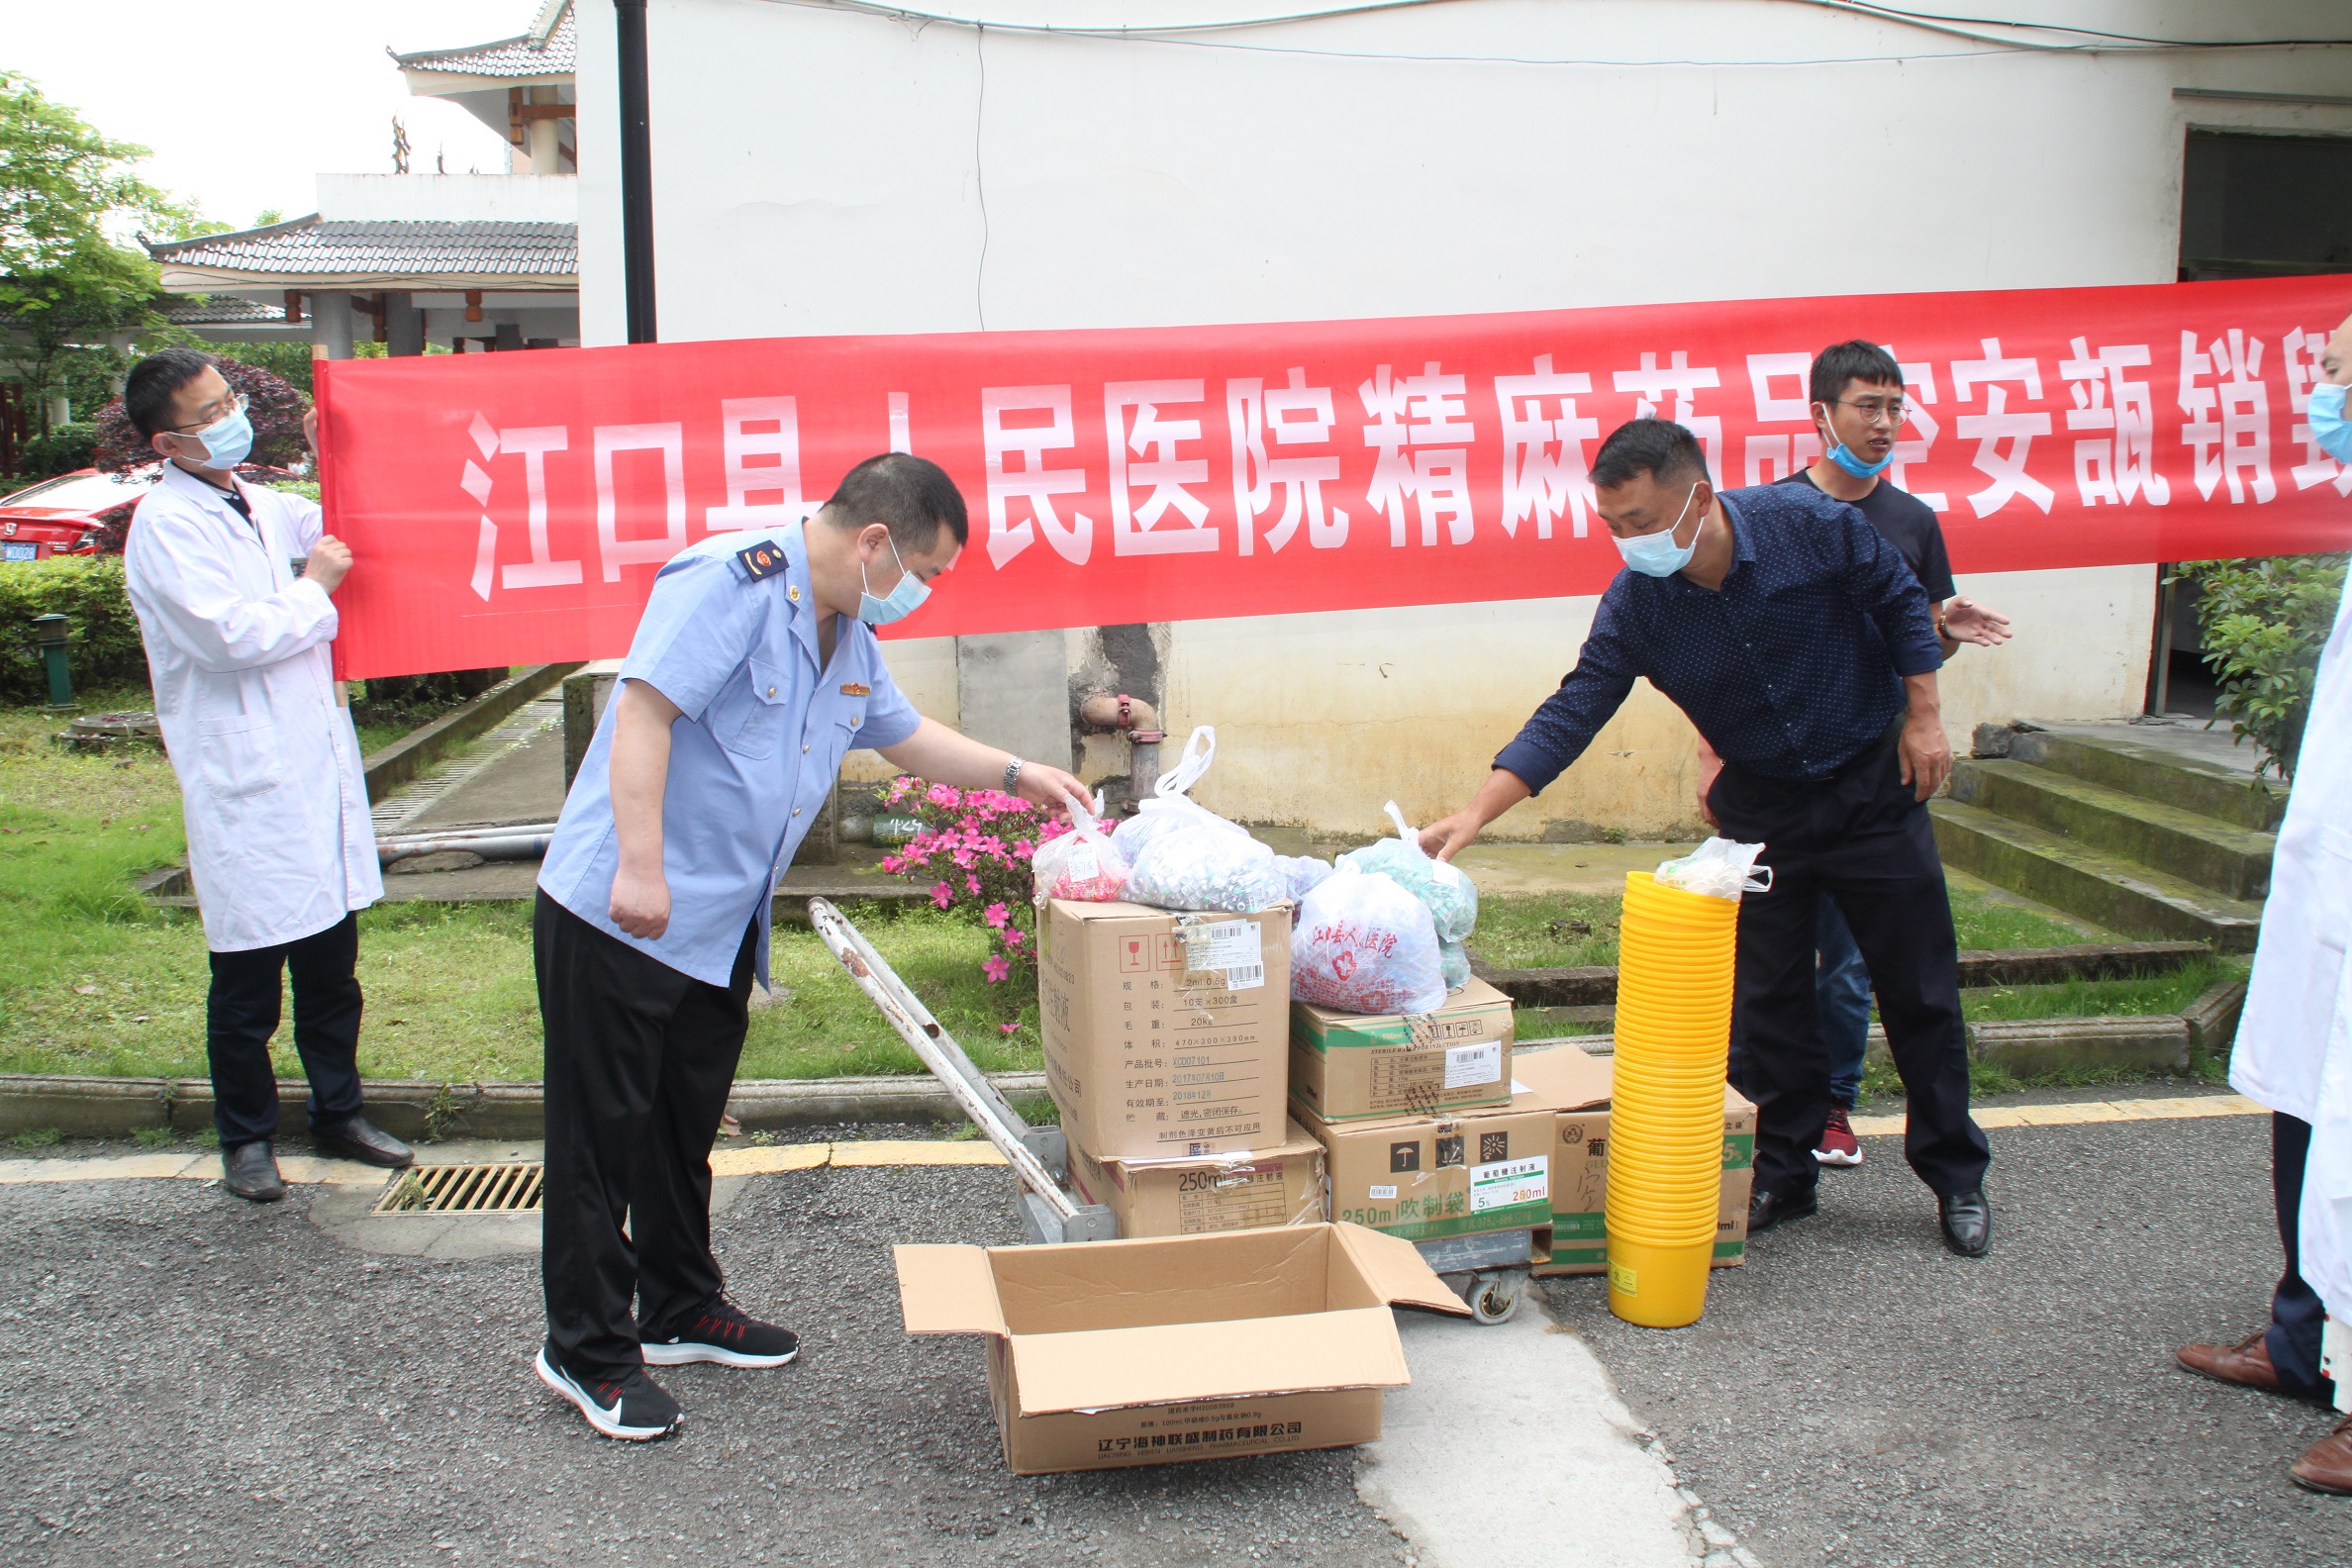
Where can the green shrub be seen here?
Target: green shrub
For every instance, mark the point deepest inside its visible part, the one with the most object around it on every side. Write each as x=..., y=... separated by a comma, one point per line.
x=105, y=645
x=2264, y=622
x=62, y=450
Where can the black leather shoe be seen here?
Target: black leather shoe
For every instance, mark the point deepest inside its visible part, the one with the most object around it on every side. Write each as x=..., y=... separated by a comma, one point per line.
x=1967, y=1222
x=361, y=1139
x=1766, y=1210
x=250, y=1171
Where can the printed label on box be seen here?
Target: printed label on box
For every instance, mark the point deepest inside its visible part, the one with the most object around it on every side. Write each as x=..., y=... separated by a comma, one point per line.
x=1235, y=946
x=1466, y=1065
x=1385, y=1194
x=1507, y=1183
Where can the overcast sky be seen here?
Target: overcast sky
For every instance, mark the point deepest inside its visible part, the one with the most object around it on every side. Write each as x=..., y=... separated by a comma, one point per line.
x=243, y=103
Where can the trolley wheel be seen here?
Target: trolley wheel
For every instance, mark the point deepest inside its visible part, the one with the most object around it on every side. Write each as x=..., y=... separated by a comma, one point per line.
x=1494, y=1295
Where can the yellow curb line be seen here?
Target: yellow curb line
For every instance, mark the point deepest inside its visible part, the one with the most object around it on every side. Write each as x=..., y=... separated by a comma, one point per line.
x=2084, y=1112
x=308, y=1169
x=892, y=1152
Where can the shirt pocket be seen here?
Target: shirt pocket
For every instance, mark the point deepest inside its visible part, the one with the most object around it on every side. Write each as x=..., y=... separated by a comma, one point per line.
x=748, y=716
x=846, y=734
x=237, y=754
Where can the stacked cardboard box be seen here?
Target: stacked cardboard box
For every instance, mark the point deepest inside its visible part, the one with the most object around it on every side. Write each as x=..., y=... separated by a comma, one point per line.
x=1167, y=1048
x=1416, y=1116
x=1352, y=1066
x=1575, y=1088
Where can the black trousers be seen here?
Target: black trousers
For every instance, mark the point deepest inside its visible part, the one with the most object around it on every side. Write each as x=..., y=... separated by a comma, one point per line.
x=1859, y=838
x=639, y=1059
x=2297, y=1312
x=241, y=1014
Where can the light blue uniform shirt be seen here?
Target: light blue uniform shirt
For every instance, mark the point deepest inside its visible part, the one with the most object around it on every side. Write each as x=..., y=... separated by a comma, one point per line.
x=729, y=635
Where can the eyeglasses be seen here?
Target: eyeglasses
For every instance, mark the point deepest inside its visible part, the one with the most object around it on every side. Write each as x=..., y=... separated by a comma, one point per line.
x=213, y=413
x=1877, y=410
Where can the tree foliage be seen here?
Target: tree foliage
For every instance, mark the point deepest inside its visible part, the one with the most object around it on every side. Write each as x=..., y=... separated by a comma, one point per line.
x=63, y=189
x=2263, y=624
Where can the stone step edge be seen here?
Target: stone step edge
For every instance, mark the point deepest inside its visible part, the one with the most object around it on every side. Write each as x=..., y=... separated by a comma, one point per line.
x=90, y=1107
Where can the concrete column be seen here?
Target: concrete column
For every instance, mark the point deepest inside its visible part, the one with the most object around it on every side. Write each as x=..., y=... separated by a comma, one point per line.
x=331, y=323
x=1013, y=691
x=403, y=325
x=539, y=135
x=60, y=409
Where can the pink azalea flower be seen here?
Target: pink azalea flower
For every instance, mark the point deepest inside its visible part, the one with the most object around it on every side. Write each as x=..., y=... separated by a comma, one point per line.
x=996, y=915
x=1011, y=937
x=942, y=895
x=973, y=883
x=1008, y=1028
x=997, y=969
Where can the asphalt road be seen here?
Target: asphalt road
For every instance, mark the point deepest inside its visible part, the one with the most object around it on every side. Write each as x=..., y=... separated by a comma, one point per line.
x=184, y=1377
x=1856, y=1396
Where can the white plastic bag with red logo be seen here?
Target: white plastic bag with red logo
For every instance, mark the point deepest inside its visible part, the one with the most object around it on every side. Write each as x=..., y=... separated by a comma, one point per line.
x=1365, y=944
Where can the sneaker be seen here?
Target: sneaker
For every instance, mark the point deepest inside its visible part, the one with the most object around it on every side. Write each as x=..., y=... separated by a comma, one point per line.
x=633, y=1409
x=722, y=1334
x=1839, y=1147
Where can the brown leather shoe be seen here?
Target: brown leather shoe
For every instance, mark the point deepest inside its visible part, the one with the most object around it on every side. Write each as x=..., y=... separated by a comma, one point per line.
x=2327, y=1466
x=2246, y=1363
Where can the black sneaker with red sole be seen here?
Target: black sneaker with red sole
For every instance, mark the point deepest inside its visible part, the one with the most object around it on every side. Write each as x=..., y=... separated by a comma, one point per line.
x=719, y=1333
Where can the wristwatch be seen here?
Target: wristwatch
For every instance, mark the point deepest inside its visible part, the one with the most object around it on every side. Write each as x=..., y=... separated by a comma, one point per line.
x=1012, y=774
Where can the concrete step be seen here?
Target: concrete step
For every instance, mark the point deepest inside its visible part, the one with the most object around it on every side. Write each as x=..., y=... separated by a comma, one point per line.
x=2097, y=884
x=2212, y=853
x=2156, y=773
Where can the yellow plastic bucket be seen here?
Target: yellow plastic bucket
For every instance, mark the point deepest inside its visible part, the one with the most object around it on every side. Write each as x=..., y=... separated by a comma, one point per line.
x=1657, y=1287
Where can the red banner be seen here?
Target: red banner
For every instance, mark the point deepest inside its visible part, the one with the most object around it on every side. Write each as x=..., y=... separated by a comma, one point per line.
x=513, y=508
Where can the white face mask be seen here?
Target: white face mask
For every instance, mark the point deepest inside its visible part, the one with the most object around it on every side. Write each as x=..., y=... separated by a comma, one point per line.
x=1657, y=554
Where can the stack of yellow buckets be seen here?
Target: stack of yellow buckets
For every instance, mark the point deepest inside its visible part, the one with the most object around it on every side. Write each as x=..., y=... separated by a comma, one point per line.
x=1666, y=1116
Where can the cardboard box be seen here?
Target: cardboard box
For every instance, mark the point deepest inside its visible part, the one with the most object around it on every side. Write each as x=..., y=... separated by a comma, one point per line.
x=1200, y=1194
x=1577, y=1087
x=1118, y=1354
x=1166, y=1033
x=1348, y=1066
x=1426, y=1177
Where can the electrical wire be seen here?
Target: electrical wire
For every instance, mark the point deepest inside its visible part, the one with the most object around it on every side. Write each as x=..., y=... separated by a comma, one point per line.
x=1969, y=29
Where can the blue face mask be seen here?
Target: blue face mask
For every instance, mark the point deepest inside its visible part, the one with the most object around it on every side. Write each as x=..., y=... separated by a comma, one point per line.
x=1843, y=455
x=2328, y=427
x=226, y=442
x=1657, y=554
x=900, y=603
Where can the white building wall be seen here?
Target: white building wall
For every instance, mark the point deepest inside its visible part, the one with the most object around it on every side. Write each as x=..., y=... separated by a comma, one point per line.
x=824, y=172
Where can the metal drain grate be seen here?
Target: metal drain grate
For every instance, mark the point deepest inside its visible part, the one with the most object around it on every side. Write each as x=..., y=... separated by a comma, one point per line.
x=464, y=1189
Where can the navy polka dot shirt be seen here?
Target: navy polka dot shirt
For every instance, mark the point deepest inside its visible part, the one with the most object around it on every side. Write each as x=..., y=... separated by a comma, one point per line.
x=1791, y=668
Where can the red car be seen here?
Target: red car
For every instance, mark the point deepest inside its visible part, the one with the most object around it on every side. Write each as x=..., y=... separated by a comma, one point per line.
x=76, y=514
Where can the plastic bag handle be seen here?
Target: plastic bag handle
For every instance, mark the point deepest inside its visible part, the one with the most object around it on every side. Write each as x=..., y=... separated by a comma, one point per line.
x=1189, y=768
x=1404, y=829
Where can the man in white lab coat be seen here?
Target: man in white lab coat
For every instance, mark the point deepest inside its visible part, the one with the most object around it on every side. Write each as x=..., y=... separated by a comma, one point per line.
x=232, y=586
x=2294, y=1050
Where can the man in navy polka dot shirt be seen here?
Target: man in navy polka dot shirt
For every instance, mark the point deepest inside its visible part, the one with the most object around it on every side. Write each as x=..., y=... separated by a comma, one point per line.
x=1800, y=644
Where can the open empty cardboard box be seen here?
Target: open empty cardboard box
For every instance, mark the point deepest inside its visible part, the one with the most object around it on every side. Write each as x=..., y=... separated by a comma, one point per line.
x=1118, y=1354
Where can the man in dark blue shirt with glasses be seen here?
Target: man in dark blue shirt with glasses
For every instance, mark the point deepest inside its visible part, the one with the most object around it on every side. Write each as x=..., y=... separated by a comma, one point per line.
x=1801, y=645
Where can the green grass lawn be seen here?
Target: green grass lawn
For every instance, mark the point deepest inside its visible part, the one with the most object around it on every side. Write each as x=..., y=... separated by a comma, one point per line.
x=97, y=981
x=1575, y=930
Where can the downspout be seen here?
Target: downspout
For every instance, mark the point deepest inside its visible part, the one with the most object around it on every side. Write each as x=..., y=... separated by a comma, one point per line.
x=636, y=173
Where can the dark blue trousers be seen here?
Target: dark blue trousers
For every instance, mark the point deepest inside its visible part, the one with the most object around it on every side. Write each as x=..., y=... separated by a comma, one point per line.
x=2297, y=1314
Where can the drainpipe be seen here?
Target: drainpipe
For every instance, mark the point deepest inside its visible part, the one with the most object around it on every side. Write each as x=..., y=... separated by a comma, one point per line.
x=636, y=173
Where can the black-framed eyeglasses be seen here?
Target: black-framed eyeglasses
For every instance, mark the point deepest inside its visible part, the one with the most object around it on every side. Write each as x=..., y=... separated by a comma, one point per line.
x=214, y=413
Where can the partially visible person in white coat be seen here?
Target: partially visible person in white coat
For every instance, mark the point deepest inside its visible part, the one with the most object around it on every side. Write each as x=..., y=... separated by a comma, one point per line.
x=2294, y=1050
x=233, y=586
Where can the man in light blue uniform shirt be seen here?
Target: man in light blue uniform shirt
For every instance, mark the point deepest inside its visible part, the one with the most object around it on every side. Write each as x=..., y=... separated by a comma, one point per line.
x=753, y=671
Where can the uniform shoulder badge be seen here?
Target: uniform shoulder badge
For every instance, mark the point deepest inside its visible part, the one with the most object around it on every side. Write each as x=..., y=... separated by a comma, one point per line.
x=763, y=559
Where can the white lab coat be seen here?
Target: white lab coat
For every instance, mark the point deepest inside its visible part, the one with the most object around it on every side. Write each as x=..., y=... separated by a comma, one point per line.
x=2293, y=1048
x=280, y=844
